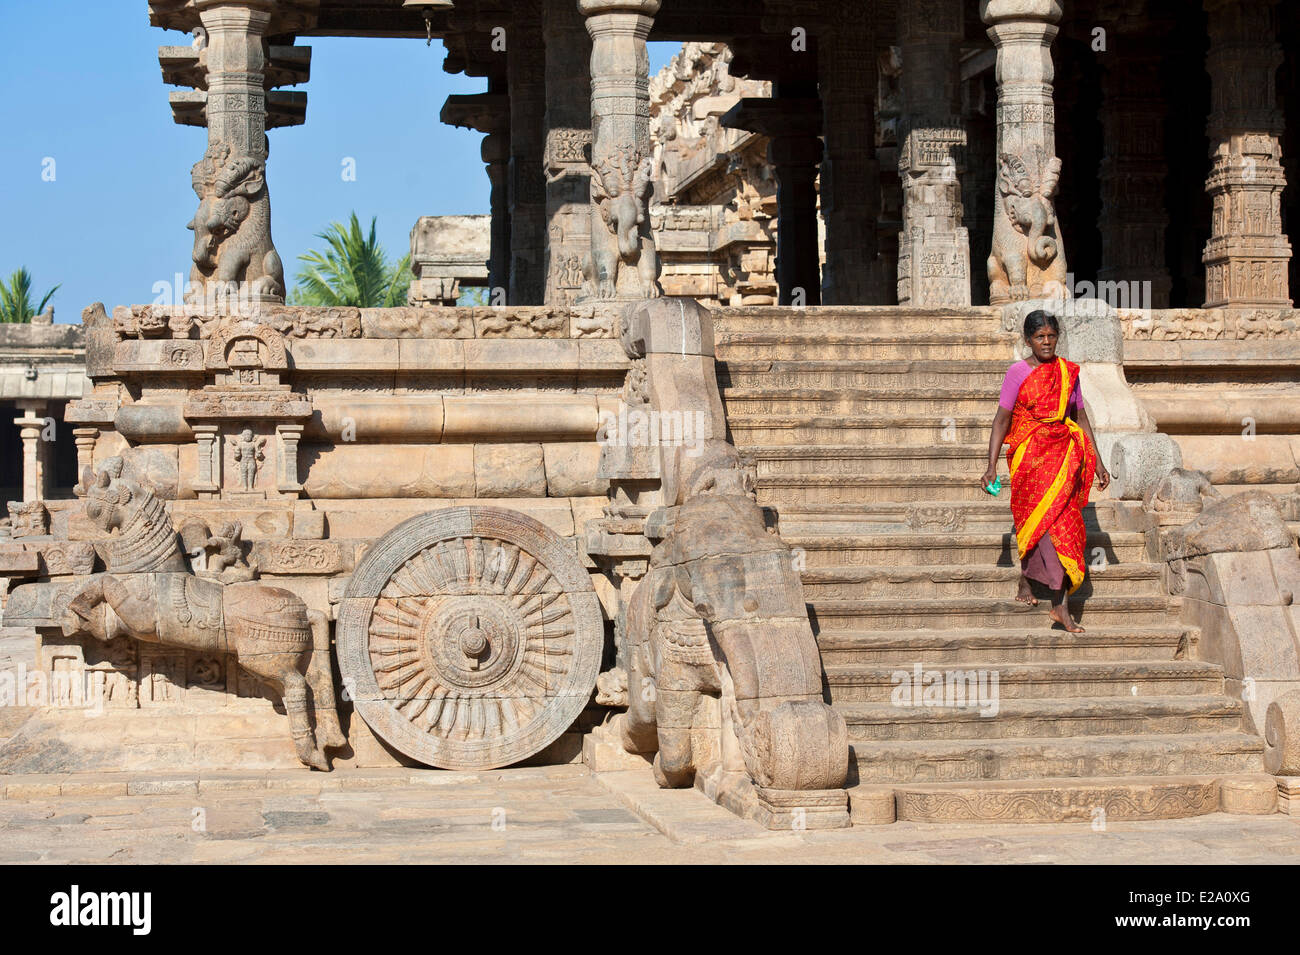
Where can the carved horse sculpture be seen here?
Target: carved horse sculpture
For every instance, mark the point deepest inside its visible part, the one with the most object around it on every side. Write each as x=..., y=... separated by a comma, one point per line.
x=150, y=595
x=1025, y=232
x=621, y=185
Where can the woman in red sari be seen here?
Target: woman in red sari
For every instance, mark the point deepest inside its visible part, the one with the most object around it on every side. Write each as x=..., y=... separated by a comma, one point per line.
x=1052, y=457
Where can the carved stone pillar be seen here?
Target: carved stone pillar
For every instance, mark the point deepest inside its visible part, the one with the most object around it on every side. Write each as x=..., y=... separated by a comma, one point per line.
x=933, y=246
x=568, y=139
x=489, y=113
x=795, y=157
x=287, y=478
x=1028, y=257
x=496, y=154
x=30, y=426
x=526, y=78
x=623, y=263
x=1133, y=176
x=208, y=482
x=231, y=179
x=1248, y=256
x=85, y=439
x=850, y=183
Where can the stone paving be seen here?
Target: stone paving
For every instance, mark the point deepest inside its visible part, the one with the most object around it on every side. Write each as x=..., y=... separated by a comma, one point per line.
x=551, y=814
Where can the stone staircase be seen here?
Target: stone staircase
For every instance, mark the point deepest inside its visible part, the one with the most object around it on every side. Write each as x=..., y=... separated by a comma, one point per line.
x=869, y=429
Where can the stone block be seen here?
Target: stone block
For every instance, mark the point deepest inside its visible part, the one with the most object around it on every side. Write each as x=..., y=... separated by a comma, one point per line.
x=386, y=470
x=572, y=470
x=1138, y=462
x=346, y=355
x=1235, y=579
x=426, y=355
x=308, y=524
x=872, y=805
x=541, y=417
x=509, y=470
x=184, y=786
x=1254, y=795
x=521, y=355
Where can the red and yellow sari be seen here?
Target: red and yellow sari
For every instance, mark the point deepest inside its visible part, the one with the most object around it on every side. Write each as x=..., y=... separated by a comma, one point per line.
x=1052, y=465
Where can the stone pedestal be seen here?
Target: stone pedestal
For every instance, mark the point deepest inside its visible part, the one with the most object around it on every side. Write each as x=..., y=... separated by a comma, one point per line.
x=933, y=247
x=623, y=264
x=1028, y=257
x=568, y=141
x=1248, y=256
x=526, y=77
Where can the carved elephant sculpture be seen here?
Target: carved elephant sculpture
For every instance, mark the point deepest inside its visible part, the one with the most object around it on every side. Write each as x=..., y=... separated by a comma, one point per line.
x=1025, y=236
x=720, y=616
x=232, y=228
x=620, y=239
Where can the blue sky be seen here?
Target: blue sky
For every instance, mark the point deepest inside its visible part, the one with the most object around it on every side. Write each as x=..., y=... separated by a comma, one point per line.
x=80, y=86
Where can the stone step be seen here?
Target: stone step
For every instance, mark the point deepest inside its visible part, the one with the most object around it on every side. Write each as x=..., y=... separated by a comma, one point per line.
x=1043, y=719
x=938, y=516
x=880, y=319
x=957, y=648
x=957, y=580
x=994, y=547
x=810, y=345
x=863, y=683
x=829, y=489
x=917, y=375
x=907, y=430
x=1096, y=801
x=902, y=613
x=777, y=459
x=1029, y=758
x=942, y=402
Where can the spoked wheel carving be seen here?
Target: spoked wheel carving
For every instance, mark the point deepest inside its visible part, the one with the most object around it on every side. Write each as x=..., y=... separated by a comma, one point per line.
x=470, y=638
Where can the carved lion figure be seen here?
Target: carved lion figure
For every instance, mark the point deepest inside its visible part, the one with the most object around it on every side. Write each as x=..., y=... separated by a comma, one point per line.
x=232, y=228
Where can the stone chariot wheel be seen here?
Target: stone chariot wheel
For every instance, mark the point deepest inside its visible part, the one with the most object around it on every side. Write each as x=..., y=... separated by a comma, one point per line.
x=470, y=638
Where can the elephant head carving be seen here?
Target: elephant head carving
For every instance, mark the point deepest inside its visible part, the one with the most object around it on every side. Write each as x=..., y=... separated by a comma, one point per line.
x=621, y=185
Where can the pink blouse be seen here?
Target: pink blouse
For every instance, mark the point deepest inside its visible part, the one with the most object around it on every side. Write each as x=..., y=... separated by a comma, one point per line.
x=1016, y=376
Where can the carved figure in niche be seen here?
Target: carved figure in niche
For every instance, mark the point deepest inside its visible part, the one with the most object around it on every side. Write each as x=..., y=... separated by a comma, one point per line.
x=622, y=250
x=1025, y=236
x=248, y=455
x=222, y=553
x=232, y=229
x=28, y=519
x=150, y=595
x=717, y=614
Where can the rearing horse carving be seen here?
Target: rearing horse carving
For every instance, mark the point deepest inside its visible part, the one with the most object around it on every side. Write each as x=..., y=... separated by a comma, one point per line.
x=150, y=595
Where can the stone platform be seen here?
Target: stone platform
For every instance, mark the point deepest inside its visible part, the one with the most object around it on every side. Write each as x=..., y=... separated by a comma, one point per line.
x=545, y=814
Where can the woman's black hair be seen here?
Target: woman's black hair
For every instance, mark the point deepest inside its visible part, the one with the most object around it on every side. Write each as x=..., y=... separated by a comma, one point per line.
x=1037, y=319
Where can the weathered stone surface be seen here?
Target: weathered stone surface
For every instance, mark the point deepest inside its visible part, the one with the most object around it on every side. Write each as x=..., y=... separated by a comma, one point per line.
x=1251, y=521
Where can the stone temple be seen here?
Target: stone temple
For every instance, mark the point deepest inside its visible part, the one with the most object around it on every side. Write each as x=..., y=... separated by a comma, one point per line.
x=693, y=488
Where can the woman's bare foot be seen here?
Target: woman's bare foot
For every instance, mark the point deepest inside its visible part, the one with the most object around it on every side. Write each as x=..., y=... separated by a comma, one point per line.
x=1024, y=594
x=1061, y=614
